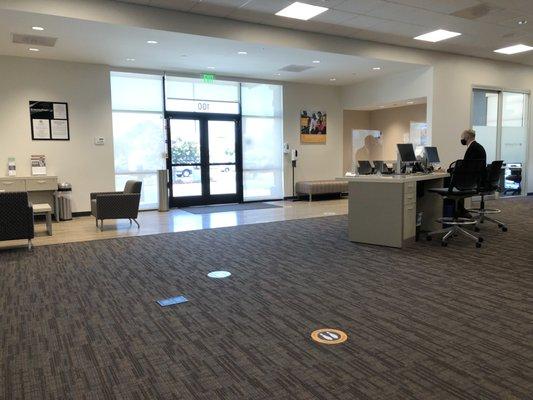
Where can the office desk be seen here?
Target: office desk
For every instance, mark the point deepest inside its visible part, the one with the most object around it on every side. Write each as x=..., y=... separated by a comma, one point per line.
x=382, y=209
x=41, y=189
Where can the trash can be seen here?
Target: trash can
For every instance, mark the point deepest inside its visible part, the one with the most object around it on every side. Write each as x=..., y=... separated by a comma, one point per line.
x=162, y=179
x=64, y=191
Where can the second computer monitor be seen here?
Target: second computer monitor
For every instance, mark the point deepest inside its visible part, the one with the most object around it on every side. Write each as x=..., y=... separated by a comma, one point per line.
x=407, y=152
x=432, y=155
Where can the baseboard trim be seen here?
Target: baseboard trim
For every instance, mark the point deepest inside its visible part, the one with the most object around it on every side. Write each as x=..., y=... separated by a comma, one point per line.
x=81, y=214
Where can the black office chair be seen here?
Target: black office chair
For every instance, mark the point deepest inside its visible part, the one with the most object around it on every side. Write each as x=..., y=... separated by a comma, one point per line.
x=466, y=176
x=489, y=186
x=516, y=177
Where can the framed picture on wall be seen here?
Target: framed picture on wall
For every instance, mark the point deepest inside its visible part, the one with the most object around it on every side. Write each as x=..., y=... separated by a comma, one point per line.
x=49, y=120
x=313, y=126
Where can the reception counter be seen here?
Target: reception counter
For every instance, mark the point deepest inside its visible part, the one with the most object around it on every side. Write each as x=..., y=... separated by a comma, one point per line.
x=383, y=209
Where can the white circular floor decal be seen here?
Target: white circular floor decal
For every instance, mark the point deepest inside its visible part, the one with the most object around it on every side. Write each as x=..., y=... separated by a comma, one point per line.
x=219, y=274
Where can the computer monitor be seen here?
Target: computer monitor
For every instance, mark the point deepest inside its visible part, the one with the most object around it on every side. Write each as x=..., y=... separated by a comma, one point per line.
x=407, y=152
x=432, y=155
x=364, y=167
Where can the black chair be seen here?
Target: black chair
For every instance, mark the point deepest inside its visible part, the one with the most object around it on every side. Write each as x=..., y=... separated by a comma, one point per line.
x=489, y=186
x=16, y=217
x=115, y=205
x=516, y=177
x=466, y=176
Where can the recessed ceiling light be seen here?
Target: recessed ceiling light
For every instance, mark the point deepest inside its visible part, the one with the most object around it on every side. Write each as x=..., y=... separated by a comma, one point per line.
x=522, y=21
x=332, y=79
x=33, y=49
x=316, y=61
x=381, y=106
x=277, y=74
x=437, y=36
x=210, y=67
x=301, y=11
x=376, y=69
x=151, y=42
x=242, y=53
x=519, y=48
x=130, y=59
x=37, y=28
x=410, y=102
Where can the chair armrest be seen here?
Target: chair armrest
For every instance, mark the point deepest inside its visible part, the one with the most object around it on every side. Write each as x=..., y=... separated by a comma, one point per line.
x=95, y=194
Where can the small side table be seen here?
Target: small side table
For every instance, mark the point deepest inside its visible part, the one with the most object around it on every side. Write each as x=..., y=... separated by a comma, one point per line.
x=44, y=209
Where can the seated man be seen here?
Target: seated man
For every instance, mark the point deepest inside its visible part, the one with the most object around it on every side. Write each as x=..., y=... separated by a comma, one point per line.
x=474, y=151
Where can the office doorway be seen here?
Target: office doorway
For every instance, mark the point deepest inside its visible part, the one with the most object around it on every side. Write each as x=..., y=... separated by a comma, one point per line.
x=204, y=159
x=500, y=119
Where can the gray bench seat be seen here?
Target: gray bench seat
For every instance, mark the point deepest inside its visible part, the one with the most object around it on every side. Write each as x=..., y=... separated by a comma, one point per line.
x=310, y=188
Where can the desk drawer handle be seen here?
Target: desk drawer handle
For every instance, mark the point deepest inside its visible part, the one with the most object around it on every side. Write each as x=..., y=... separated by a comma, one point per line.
x=409, y=208
x=41, y=181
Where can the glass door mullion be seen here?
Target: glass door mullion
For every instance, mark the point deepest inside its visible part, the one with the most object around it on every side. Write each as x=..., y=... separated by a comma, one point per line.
x=499, y=126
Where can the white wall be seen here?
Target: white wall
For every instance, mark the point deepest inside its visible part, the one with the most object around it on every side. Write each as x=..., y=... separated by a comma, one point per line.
x=86, y=89
x=316, y=161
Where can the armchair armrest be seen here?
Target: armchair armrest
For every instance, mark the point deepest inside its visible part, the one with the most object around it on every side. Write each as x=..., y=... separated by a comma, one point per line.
x=95, y=194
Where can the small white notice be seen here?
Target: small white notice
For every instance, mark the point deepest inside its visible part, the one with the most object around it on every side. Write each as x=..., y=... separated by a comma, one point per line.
x=59, y=129
x=41, y=129
x=60, y=111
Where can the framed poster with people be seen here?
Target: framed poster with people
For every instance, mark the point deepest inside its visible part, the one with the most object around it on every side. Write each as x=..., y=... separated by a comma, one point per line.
x=313, y=126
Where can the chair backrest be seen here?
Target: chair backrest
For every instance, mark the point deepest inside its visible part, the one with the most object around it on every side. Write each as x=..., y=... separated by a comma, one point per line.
x=12, y=200
x=493, y=174
x=133, y=187
x=467, y=174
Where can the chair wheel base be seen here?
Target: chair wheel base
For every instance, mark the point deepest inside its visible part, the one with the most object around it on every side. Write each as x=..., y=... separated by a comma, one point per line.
x=504, y=228
x=428, y=238
x=444, y=244
x=476, y=229
x=480, y=240
x=478, y=245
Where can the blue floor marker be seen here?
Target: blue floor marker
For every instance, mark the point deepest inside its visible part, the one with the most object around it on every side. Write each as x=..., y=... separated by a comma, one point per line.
x=172, y=301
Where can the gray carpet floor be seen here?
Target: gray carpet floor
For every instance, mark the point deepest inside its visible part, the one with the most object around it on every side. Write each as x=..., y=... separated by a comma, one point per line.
x=79, y=321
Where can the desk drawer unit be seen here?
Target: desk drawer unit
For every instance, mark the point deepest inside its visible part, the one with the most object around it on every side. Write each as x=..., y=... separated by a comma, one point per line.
x=14, y=185
x=41, y=184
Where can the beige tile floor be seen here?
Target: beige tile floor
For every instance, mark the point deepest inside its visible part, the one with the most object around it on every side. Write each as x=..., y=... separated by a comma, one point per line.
x=152, y=222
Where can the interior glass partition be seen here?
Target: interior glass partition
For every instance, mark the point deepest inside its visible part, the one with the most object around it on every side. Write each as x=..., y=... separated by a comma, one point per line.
x=500, y=119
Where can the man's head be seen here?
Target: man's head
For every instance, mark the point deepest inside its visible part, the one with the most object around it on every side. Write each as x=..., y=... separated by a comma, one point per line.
x=468, y=136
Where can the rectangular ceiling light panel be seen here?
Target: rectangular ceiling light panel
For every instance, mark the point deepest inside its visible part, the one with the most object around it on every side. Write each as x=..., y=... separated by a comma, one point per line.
x=301, y=11
x=519, y=48
x=437, y=36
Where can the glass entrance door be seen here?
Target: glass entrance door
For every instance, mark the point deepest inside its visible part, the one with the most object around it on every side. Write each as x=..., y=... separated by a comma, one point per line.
x=205, y=161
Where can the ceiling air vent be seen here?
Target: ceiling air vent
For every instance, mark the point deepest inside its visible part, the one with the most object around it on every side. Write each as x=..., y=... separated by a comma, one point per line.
x=295, y=68
x=33, y=40
x=475, y=12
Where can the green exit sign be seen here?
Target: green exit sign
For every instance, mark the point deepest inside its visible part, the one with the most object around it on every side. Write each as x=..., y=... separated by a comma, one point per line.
x=209, y=78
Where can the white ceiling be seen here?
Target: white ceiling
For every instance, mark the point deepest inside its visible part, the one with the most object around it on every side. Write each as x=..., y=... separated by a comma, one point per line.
x=388, y=21
x=93, y=42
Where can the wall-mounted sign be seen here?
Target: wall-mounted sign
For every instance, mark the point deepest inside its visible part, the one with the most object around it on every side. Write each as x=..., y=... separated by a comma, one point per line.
x=313, y=126
x=209, y=78
x=49, y=120
x=203, y=106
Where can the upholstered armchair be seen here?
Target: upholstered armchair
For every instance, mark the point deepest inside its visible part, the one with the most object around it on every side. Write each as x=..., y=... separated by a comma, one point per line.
x=16, y=217
x=117, y=205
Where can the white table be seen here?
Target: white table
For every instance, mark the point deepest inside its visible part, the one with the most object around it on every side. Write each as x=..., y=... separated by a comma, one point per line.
x=44, y=209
